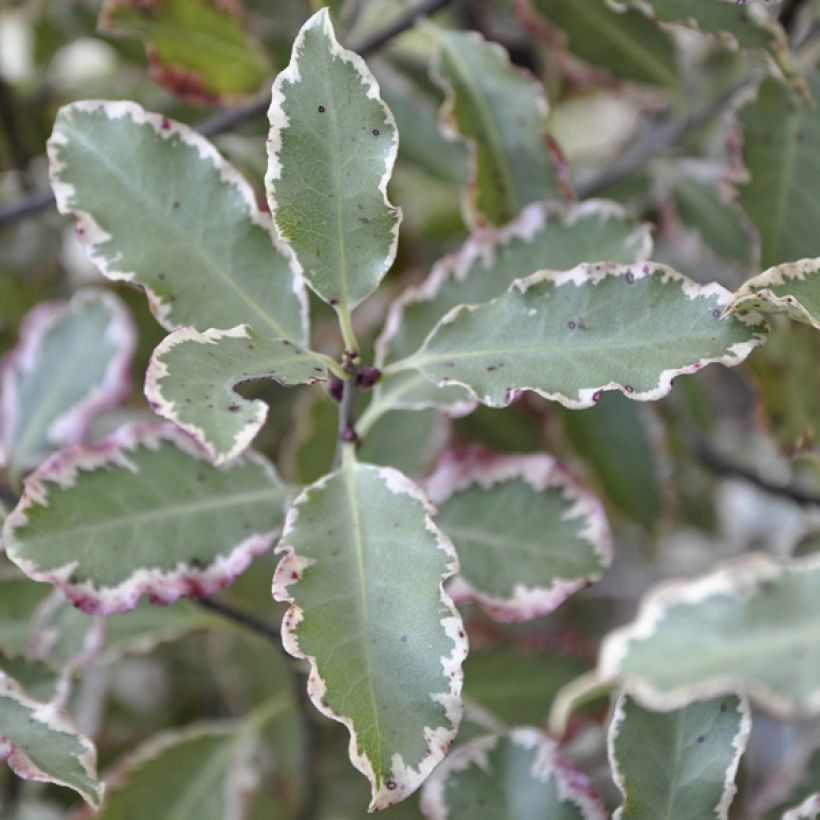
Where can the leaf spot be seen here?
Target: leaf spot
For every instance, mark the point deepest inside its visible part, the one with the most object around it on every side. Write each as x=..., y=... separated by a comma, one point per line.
x=321, y=109
x=630, y=277
x=376, y=134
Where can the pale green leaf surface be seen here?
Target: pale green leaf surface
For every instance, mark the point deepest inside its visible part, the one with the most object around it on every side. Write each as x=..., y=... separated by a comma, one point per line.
x=331, y=151
x=570, y=336
x=192, y=376
x=624, y=43
x=143, y=513
x=363, y=567
x=197, y=49
x=542, y=237
x=527, y=534
x=615, y=440
x=39, y=743
x=500, y=112
x=19, y=597
x=679, y=764
x=157, y=206
x=515, y=776
x=72, y=360
x=792, y=288
x=779, y=135
x=751, y=624
x=38, y=680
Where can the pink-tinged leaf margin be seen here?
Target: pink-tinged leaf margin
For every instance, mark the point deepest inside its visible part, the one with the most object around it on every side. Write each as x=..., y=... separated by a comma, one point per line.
x=459, y=469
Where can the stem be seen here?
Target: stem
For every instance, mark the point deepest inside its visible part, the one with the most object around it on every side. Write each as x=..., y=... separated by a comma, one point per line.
x=348, y=336
x=347, y=408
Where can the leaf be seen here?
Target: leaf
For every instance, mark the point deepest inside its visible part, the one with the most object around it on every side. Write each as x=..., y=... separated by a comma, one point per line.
x=500, y=112
x=614, y=439
x=142, y=513
x=156, y=205
x=72, y=361
x=191, y=379
x=809, y=809
x=363, y=567
x=570, y=336
x=331, y=151
x=19, y=598
x=543, y=236
x=778, y=134
x=527, y=534
x=688, y=770
x=751, y=624
x=36, y=678
x=39, y=742
x=197, y=49
x=792, y=288
x=623, y=42
x=518, y=775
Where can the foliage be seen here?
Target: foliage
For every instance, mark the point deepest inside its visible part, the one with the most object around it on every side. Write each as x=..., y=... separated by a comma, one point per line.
x=487, y=365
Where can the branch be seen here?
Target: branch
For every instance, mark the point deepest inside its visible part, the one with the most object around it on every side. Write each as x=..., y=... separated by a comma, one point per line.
x=228, y=120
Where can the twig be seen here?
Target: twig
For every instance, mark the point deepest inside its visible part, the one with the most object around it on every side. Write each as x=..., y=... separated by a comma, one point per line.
x=723, y=466
x=228, y=120
x=347, y=406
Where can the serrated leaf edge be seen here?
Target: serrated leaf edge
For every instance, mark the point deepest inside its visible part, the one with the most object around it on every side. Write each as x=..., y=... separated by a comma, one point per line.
x=405, y=779
x=458, y=470
x=161, y=587
x=739, y=742
x=571, y=785
x=91, y=234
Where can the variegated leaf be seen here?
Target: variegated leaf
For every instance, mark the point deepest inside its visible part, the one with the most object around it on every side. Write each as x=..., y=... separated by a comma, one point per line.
x=809, y=809
x=192, y=376
x=527, y=534
x=500, y=112
x=197, y=49
x=792, y=288
x=363, y=568
x=72, y=360
x=681, y=763
x=142, y=513
x=39, y=742
x=517, y=776
x=331, y=151
x=570, y=336
x=543, y=236
x=751, y=624
x=157, y=206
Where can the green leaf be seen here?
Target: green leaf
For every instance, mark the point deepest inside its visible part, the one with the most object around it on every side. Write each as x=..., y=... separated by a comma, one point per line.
x=751, y=624
x=142, y=513
x=623, y=42
x=363, y=569
x=570, y=336
x=72, y=360
x=779, y=132
x=527, y=534
x=191, y=379
x=331, y=151
x=197, y=49
x=543, y=236
x=158, y=206
x=39, y=742
x=37, y=679
x=792, y=288
x=515, y=776
x=19, y=598
x=615, y=440
x=688, y=769
x=500, y=113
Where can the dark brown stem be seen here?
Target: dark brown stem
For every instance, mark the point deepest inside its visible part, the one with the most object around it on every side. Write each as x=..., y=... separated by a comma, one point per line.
x=228, y=120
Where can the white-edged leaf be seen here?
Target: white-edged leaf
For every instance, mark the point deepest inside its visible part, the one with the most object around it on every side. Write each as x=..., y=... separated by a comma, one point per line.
x=363, y=568
x=515, y=776
x=192, y=376
x=809, y=809
x=142, y=513
x=158, y=206
x=792, y=288
x=679, y=764
x=39, y=742
x=751, y=625
x=72, y=360
x=544, y=236
x=500, y=112
x=331, y=151
x=570, y=336
x=527, y=534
